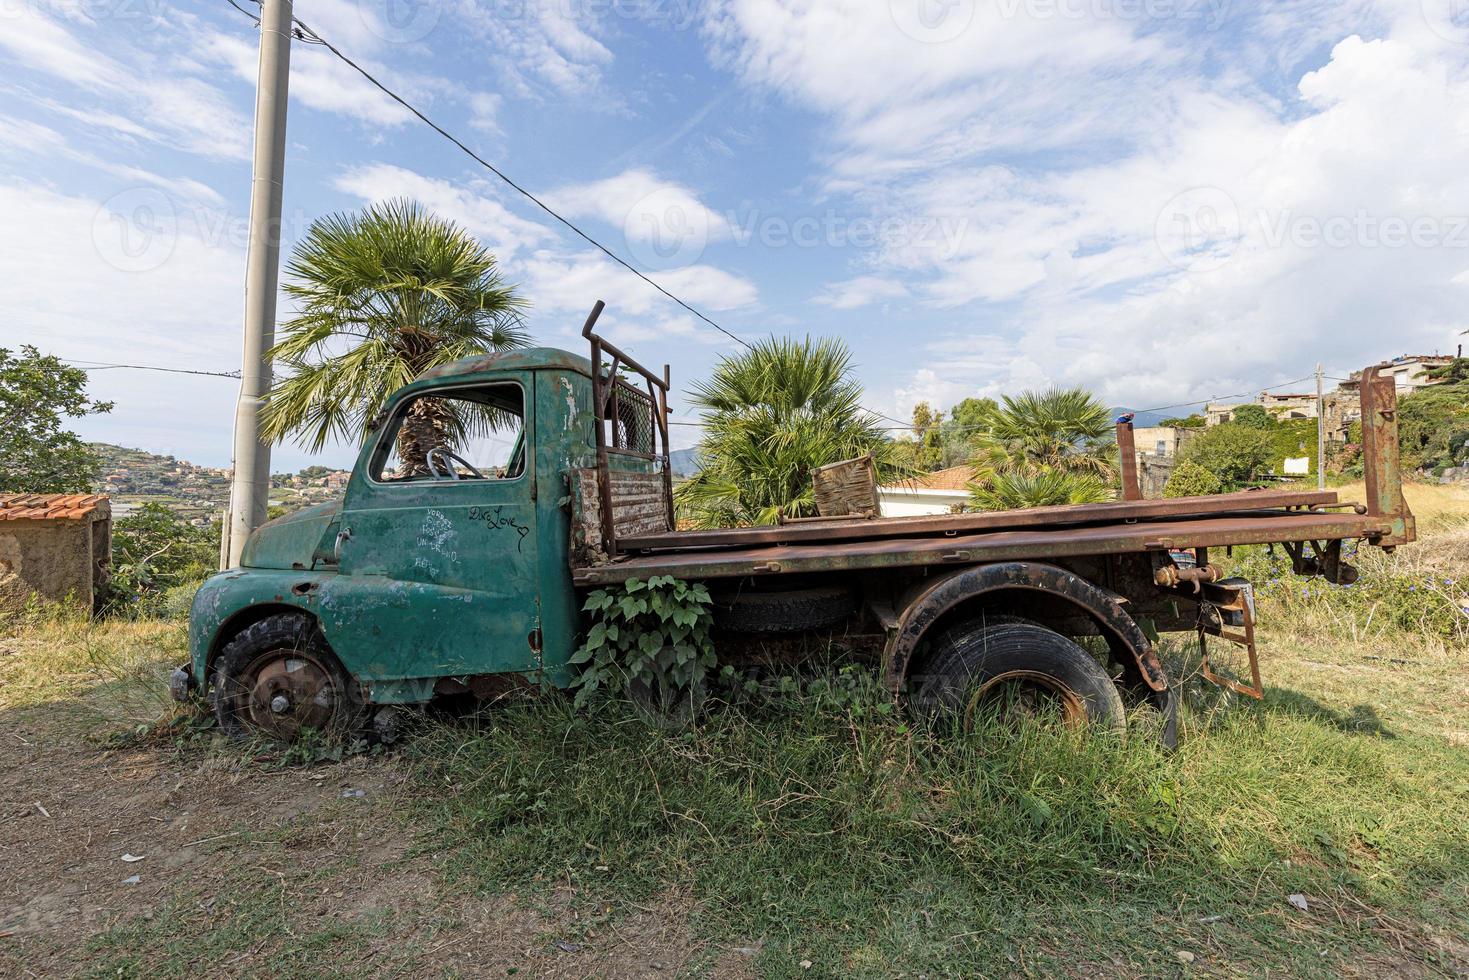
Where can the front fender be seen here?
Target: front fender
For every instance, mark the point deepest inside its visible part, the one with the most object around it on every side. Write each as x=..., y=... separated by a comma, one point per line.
x=239, y=596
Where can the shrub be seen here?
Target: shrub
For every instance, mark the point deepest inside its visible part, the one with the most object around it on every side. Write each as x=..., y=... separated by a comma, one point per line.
x=155, y=556
x=648, y=636
x=1191, y=480
x=1236, y=454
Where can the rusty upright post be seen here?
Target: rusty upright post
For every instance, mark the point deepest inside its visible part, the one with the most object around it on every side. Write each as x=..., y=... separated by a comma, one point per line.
x=1131, y=488
x=1381, y=458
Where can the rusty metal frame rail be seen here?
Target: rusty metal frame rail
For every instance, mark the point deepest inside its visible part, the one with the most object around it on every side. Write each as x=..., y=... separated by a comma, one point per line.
x=605, y=408
x=951, y=525
x=1022, y=544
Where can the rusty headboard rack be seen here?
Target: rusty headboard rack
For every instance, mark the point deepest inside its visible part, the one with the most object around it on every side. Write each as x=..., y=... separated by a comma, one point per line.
x=631, y=420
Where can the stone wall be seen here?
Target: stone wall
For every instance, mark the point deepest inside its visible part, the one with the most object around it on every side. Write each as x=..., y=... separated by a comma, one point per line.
x=56, y=560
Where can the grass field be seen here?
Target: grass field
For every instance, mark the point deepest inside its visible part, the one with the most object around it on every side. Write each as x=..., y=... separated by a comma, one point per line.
x=813, y=832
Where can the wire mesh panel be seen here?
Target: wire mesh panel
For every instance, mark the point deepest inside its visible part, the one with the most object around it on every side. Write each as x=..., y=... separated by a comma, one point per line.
x=631, y=420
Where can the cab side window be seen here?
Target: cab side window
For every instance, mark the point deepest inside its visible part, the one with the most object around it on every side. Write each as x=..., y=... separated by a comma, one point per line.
x=473, y=433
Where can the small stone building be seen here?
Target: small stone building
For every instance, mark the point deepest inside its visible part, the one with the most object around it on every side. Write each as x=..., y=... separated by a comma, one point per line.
x=55, y=545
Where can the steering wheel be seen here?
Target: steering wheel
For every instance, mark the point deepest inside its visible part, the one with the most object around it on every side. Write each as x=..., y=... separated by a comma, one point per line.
x=449, y=457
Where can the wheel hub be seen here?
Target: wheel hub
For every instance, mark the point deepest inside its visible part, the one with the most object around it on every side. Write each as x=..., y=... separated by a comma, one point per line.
x=1030, y=694
x=288, y=691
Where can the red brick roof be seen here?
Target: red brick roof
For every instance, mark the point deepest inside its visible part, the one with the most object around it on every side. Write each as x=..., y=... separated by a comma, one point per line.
x=52, y=506
x=953, y=478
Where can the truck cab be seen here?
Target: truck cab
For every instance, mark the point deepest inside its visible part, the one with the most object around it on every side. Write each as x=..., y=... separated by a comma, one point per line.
x=449, y=566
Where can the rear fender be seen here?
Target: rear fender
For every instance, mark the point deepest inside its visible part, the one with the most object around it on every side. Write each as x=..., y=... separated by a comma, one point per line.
x=949, y=591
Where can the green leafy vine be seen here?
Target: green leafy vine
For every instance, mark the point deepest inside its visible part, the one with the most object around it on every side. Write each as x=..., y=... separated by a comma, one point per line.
x=648, y=636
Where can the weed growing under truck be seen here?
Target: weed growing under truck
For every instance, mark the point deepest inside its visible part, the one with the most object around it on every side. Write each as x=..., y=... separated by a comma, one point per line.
x=456, y=576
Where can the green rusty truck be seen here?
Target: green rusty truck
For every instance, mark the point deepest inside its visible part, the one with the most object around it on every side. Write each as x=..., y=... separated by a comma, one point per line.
x=464, y=569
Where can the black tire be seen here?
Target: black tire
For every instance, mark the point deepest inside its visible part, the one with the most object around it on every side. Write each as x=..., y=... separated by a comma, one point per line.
x=284, y=656
x=788, y=611
x=979, y=659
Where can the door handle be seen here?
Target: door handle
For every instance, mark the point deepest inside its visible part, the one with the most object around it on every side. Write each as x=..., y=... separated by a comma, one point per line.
x=343, y=536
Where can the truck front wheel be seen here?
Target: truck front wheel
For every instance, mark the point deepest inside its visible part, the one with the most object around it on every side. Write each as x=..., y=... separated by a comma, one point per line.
x=278, y=678
x=1014, y=667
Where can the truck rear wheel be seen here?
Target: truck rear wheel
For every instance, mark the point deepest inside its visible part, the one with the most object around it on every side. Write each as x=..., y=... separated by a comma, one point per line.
x=278, y=678
x=1015, y=667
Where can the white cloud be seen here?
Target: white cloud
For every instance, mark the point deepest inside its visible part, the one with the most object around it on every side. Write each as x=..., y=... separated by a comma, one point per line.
x=663, y=222
x=166, y=104
x=1131, y=218
x=141, y=274
x=859, y=292
x=541, y=45
x=470, y=203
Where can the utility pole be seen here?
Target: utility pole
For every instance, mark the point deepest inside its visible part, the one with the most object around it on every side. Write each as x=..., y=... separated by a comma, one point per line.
x=250, y=490
x=1320, y=428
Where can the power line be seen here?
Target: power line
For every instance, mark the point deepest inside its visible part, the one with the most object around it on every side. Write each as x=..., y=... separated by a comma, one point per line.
x=314, y=37
x=102, y=366
x=1214, y=398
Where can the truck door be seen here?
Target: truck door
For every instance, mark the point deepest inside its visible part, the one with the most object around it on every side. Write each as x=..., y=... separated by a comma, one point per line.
x=437, y=560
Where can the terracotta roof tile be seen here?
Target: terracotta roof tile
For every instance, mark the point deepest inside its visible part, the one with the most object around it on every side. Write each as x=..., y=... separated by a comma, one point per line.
x=953, y=478
x=53, y=506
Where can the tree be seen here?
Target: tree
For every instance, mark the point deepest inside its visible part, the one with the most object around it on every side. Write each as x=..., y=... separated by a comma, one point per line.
x=384, y=295
x=1013, y=491
x=1433, y=423
x=1044, y=447
x=1189, y=479
x=1195, y=421
x=929, y=451
x=153, y=550
x=1253, y=417
x=37, y=454
x=770, y=416
x=966, y=421
x=1235, y=454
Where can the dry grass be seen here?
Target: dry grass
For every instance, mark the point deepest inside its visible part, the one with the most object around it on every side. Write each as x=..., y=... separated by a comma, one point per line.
x=1436, y=505
x=102, y=675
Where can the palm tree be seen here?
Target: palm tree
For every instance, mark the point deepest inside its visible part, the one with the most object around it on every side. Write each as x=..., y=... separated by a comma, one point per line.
x=770, y=416
x=1044, y=448
x=383, y=296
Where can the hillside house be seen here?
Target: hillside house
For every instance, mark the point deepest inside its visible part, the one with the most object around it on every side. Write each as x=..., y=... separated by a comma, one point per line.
x=56, y=546
x=940, y=492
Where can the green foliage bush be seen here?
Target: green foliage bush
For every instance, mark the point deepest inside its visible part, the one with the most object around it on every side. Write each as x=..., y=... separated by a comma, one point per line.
x=158, y=560
x=647, y=637
x=1236, y=454
x=1189, y=479
x=1253, y=417
x=37, y=453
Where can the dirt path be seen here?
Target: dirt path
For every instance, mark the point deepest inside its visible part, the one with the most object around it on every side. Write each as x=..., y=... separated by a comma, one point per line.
x=245, y=870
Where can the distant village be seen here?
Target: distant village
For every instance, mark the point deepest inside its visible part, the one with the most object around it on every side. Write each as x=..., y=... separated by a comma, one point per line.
x=199, y=494
x=1159, y=446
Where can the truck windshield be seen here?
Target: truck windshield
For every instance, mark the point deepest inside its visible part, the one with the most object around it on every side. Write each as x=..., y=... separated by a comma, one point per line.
x=464, y=434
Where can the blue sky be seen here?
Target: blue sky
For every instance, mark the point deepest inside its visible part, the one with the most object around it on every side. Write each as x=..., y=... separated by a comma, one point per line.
x=1158, y=199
